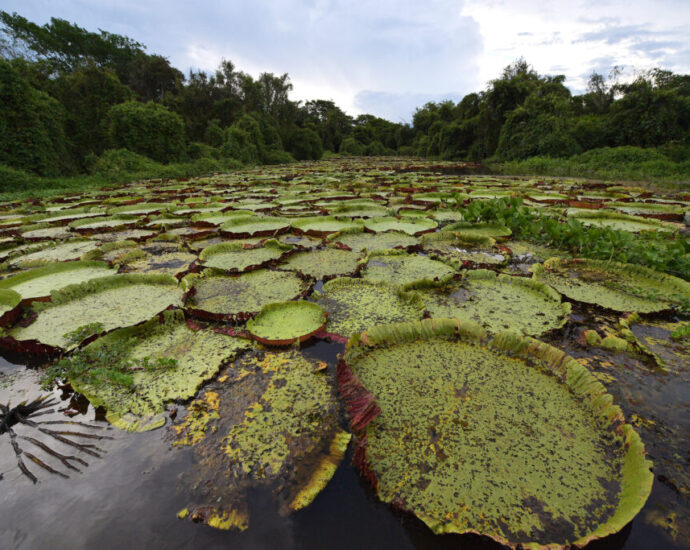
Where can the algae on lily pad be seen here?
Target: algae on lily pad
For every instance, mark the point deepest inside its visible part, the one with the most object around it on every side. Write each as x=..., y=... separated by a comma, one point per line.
x=399, y=268
x=114, y=302
x=235, y=257
x=493, y=230
x=284, y=323
x=270, y=420
x=323, y=263
x=40, y=281
x=354, y=305
x=498, y=303
x=613, y=285
x=508, y=438
x=227, y=297
x=169, y=361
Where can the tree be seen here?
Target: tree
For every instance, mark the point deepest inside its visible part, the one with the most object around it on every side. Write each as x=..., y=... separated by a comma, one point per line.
x=148, y=129
x=32, y=135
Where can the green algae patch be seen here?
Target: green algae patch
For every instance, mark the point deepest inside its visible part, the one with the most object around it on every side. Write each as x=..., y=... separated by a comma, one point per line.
x=324, y=225
x=621, y=222
x=323, y=263
x=613, y=285
x=271, y=421
x=398, y=268
x=255, y=226
x=508, y=438
x=285, y=323
x=234, y=257
x=239, y=297
x=412, y=226
x=359, y=241
x=39, y=282
x=192, y=358
x=498, y=303
x=354, y=305
x=115, y=301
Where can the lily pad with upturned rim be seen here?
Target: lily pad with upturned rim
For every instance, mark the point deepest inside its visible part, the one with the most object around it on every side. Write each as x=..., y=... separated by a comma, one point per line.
x=411, y=225
x=324, y=225
x=323, y=263
x=221, y=297
x=399, y=268
x=613, y=285
x=281, y=324
x=235, y=257
x=255, y=226
x=115, y=301
x=459, y=431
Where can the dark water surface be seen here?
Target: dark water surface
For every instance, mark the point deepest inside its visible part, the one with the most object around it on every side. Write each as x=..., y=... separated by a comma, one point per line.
x=129, y=499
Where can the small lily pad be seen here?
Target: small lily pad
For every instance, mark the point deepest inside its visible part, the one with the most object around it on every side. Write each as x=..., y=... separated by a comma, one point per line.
x=284, y=323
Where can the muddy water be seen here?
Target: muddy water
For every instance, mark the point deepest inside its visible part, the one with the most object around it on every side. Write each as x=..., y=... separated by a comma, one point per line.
x=129, y=498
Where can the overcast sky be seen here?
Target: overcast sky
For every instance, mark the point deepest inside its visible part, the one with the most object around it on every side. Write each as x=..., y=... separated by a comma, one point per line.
x=387, y=57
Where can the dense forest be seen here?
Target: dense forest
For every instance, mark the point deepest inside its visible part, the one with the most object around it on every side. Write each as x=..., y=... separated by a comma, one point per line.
x=74, y=101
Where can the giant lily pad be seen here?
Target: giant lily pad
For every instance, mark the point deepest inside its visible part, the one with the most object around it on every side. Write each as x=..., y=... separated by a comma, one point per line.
x=235, y=257
x=492, y=230
x=39, y=282
x=410, y=225
x=622, y=222
x=354, y=305
x=284, y=323
x=324, y=263
x=498, y=303
x=237, y=297
x=114, y=302
x=196, y=356
x=71, y=250
x=359, y=240
x=508, y=438
x=613, y=285
x=255, y=226
x=399, y=268
x=323, y=225
x=270, y=421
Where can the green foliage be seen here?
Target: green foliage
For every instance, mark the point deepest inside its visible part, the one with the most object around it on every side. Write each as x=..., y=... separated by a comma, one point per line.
x=147, y=129
x=198, y=150
x=653, y=250
x=32, y=134
x=78, y=335
x=350, y=146
x=305, y=144
x=682, y=332
x=98, y=365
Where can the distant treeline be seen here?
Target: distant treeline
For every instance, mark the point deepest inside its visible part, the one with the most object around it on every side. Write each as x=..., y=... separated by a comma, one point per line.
x=74, y=101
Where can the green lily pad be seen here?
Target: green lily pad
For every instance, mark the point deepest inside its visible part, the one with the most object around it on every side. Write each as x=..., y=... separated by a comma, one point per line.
x=359, y=240
x=622, y=222
x=271, y=420
x=493, y=230
x=354, y=305
x=498, y=303
x=411, y=226
x=39, y=282
x=106, y=223
x=71, y=250
x=284, y=323
x=255, y=226
x=400, y=268
x=324, y=263
x=324, y=225
x=229, y=297
x=508, y=438
x=235, y=257
x=116, y=301
x=613, y=285
x=197, y=356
